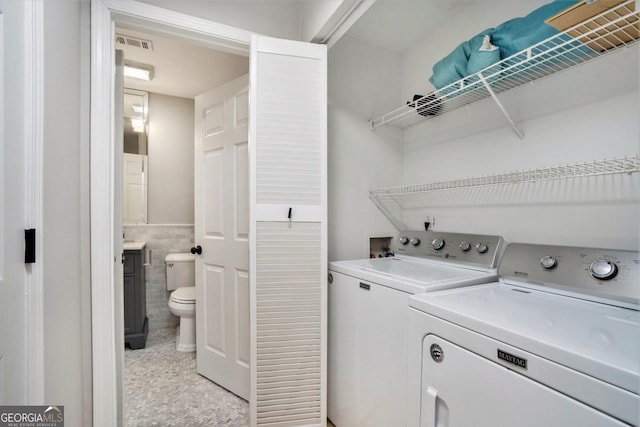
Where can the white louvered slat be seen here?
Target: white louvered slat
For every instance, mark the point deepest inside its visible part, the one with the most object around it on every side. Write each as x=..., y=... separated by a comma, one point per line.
x=284, y=424
x=288, y=235
x=288, y=128
x=291, y=296
x=278, y=356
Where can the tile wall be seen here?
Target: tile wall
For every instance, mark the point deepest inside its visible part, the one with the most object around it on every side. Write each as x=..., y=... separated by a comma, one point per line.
x=161, y=240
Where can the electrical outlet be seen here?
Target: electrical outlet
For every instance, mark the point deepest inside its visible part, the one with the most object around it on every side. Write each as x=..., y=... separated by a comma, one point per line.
x=429, y=222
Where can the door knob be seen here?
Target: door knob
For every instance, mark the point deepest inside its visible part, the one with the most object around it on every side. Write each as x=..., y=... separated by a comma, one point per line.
x=197, y=250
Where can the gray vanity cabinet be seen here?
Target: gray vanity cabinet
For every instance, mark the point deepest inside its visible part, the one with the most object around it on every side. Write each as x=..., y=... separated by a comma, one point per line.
x=136, y=325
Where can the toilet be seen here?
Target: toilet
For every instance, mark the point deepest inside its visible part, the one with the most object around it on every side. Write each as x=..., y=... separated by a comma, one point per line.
x=182, y=302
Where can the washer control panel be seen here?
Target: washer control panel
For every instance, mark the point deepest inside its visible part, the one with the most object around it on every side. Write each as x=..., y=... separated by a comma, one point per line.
x=603, y=275
x=474, y=249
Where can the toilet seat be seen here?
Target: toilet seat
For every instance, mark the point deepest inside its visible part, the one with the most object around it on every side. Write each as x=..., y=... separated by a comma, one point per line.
x=186, y=295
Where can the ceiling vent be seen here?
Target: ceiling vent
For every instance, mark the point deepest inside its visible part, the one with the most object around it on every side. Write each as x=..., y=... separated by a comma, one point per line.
x=134, y=42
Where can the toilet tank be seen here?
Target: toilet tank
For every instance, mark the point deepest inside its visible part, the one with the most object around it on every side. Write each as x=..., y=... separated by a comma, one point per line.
x=180, y=270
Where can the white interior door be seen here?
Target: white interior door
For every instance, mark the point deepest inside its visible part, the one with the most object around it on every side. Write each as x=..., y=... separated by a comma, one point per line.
x=222, y=231
x=134, y=188
x=288, y=232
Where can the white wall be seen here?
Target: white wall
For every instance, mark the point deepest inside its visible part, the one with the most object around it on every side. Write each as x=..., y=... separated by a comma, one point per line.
x=319, y=17
x=315, y=16
x=170, y=150
x=304, y=20
x=362, y=83
x=67, y=325
x=287, y=19
x=275, y=18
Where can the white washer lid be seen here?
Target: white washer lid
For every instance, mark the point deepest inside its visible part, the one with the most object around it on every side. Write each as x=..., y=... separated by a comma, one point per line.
x=179, y=257
x=411, y=276
x=184, y=295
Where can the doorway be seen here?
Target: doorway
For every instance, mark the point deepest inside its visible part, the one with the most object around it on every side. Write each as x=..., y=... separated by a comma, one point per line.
x=105, y=246
x=288, y=80
x=181, y=71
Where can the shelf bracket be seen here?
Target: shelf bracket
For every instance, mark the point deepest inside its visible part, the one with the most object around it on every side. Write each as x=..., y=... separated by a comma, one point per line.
x=399, y=225
x=513, y=124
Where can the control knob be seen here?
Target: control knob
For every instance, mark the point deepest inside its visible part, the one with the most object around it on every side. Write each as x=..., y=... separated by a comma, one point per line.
x=603, y=269
x=548, y=262
x=482, y=248
x=414, y=241
x=465, y=246
x=404, y=240
x=437, y=244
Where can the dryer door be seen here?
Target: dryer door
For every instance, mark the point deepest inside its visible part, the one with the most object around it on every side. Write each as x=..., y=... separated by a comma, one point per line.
x=461, y=389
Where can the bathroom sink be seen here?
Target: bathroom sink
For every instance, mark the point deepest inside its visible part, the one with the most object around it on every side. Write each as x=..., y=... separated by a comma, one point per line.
x=133, y=245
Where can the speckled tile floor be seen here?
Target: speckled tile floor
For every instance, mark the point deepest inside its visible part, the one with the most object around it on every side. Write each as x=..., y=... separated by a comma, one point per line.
x=162, y=388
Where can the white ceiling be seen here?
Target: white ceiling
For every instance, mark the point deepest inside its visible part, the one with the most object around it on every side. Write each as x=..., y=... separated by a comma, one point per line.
x=181, y=69
x=186, y=70
x=396, y=25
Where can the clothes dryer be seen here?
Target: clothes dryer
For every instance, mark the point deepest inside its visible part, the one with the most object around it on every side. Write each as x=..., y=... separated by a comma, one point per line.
x=555, y=342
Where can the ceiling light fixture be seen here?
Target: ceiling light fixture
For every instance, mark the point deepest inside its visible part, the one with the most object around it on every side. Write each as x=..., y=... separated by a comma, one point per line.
x=138, y=70
x=138, y=109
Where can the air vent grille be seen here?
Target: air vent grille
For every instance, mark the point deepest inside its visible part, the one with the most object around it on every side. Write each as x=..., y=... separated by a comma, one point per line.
x=134, y=42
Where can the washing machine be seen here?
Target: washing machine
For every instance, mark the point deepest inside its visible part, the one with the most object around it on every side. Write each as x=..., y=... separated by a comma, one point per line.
x=555, y=342
x=368, y=315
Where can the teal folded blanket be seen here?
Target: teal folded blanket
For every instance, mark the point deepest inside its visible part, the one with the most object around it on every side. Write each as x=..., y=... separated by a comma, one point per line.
x=453, y=67
x=505, y=40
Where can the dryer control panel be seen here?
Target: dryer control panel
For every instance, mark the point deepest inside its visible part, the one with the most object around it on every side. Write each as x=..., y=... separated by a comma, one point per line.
x=603, y=275
x=471, y=249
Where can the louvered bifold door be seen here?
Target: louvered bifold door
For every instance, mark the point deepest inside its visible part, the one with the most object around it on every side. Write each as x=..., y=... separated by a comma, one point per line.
x=288, y=133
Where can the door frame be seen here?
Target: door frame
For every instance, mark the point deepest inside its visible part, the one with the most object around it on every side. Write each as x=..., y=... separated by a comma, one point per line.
x=105, y=14
x=34, y=180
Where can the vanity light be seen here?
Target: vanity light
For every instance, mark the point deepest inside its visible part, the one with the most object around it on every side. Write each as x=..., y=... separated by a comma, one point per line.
x=138, y=70
x=137, y=125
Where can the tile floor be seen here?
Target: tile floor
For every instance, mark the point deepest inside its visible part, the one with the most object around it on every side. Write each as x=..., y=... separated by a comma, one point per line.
x=162, y=388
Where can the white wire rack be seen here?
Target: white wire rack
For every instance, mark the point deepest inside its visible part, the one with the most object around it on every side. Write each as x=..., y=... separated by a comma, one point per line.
x=392, y=200
x=603, y=34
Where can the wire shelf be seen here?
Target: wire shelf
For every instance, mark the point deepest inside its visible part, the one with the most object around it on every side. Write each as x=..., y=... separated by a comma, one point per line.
x=392, y=200
x=603, y=34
